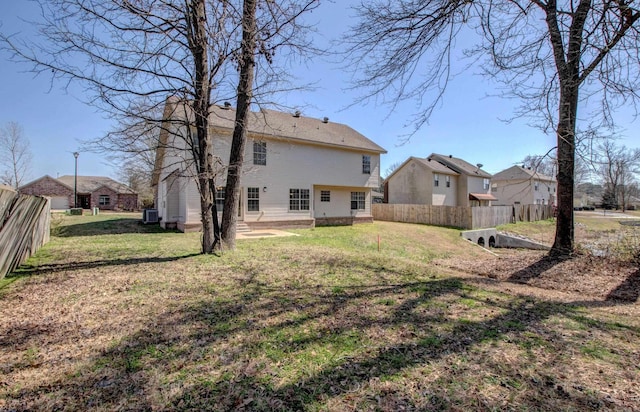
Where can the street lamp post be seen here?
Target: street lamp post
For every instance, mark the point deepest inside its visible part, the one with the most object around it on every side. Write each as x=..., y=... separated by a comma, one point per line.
x=75, y=181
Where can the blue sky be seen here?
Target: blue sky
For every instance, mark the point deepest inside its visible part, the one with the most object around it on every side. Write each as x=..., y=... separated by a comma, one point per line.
x=467, y=124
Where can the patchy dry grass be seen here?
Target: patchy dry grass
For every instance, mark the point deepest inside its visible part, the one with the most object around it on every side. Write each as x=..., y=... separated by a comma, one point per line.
x=113, y=315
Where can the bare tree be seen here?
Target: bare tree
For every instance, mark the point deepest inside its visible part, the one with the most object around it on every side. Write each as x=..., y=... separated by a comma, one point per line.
x=544, y=164
x=15, y=155
x=619, y=167
x=551, y=55
x=131, y=55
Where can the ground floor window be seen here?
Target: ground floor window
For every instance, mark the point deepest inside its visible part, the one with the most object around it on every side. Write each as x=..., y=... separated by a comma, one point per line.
x=253, y=199
x=357, y=200
x=298, y=199
x=325, y=196
x=220, y=196
x=104, y=200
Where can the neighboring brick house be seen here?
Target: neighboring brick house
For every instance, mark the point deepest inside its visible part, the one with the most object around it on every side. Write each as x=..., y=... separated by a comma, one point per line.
x=92, y=191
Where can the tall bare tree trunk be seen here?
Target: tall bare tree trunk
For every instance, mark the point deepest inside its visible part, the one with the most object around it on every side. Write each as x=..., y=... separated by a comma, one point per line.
x=198, y=44
x=245, y=94
x=563, y=243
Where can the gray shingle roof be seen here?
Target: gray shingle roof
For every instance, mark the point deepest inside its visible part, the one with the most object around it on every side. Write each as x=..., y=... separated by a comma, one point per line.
x=436, y=166
x=460, y=165
x=271, y=123
x=89, y=184
x=518, y=172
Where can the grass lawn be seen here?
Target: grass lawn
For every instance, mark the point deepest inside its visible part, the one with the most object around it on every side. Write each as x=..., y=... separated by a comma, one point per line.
x=114, y=315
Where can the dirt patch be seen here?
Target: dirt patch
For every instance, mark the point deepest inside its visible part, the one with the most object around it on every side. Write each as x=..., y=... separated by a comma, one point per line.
x=588, y=276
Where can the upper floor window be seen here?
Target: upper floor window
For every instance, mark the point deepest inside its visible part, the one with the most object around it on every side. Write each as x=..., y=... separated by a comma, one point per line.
x=486, y=183
x=260, y=153
x=298, y=199
x=220, y=196
x=447, y=180
x=436, y=179
x=366, y=164
x=253, y=199
x=357, y=200
x=535, y=186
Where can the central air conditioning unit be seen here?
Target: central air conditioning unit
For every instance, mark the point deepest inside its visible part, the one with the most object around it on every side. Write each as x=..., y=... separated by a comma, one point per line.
x=150, y=216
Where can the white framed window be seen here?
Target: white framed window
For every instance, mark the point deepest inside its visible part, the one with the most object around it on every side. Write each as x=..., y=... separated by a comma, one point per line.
x=253, y=199
x=260, y=153
x=104, y=200
x=220, y=196
x=436, y=180
x=366, y=164
x=357, y=200
x=298, y=199
x=486, y=183
x=447, y=180
x=325, y=196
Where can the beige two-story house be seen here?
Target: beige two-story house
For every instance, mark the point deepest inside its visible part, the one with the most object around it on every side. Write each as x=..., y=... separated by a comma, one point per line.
x=523, y=185
x=297, y=172
x=424, y=182
x=439, y=181
x=474, y=184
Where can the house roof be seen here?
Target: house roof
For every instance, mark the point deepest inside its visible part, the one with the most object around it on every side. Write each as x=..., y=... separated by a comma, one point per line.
x=437, y=166
x=46, y=177
x=271, y=123
x=89, y=184
x=433, y=165
x=519, y=173
x=460, y=166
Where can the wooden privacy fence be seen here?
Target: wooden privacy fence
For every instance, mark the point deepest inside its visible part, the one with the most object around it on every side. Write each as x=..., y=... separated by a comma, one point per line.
x=477, y=217
x=24, y=227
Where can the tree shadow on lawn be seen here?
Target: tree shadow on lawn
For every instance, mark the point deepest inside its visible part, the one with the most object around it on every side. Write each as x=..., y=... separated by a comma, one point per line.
x=223, y=355
x=45, y=269
x=535, y=269
x=627, y=291
x=108, y=227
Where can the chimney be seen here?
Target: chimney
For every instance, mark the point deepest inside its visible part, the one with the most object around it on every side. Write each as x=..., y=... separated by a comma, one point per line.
x=325, y=120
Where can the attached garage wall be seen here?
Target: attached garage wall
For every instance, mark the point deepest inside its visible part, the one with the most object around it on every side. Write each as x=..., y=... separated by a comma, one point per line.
x=59, y=202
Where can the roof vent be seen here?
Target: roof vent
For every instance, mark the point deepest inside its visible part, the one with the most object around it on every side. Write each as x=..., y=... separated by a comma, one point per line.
x=479, y=165
x=297, y=113
x=325, y=120
x=450, y=156
x=227, y=105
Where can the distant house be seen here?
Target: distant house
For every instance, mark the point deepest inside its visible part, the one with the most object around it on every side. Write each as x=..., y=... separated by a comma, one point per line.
x=439, y=181
x=422, y=181
x=92, y=191
x=298, y=171
x=523, y=185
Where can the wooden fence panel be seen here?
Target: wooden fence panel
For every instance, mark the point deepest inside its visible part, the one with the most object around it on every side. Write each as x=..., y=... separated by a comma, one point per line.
x=25, y=222
x=425, y=214
x=478, y=217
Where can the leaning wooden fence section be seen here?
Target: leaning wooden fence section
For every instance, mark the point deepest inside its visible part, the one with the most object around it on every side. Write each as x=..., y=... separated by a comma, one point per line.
x=24, y=227
x=461, y=217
